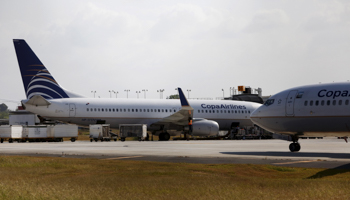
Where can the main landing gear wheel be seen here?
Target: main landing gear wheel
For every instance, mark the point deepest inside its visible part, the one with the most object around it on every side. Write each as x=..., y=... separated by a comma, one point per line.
x=294, y=147
x=164, y=136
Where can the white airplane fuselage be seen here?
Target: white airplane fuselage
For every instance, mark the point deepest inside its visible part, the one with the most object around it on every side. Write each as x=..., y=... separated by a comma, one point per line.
x=315, y=110
x=85, y=111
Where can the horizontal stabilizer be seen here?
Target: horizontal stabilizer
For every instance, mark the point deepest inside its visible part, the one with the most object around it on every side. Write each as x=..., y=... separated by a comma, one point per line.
x=38, y=100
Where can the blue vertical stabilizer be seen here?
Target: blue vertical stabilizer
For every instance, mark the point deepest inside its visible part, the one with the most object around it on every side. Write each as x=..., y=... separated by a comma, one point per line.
x=37, y=80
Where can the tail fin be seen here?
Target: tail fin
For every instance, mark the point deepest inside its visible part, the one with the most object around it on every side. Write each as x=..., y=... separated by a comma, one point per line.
x=37, y=80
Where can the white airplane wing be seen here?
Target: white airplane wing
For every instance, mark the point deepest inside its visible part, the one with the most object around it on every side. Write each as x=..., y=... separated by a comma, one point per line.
x=179, y=119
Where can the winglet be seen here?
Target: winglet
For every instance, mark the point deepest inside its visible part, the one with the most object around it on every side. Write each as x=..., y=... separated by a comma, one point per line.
x=183, y=99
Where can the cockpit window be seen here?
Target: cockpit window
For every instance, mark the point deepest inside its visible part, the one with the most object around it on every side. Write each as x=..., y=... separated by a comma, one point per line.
x=269, y=102
x=299, y=95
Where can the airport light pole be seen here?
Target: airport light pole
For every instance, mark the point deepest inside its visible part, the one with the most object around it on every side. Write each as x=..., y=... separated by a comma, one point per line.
x=94, y=93
x=223, y=93
x=116, y=93
x=161, y=93
x=127, y=93
x=144, y=90
x=188, y=92
x=138, y=92
x=110, y=93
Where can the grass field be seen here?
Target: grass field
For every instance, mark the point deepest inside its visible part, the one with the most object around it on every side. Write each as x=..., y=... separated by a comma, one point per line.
x=70, y=178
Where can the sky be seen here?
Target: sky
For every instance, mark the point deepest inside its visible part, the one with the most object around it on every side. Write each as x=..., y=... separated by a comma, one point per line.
x=202, y=46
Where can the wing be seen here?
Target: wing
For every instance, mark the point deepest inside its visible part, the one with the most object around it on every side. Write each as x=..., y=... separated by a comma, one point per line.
x=179, y=119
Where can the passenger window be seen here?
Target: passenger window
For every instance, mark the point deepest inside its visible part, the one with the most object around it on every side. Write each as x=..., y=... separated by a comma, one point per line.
x=128, y=109
x=166, y=110
x=102, y=109
x=235, y=111
x=334, y=102
x=158, y=110
x=135, y=110
x=132, y=110
x=206, y=111
x=322, y=103
x=311, y=103
x=228, y=111
x=124, y=109
x=87, y=109
x=248, y=111
x=305, y=103
x=224, y=111
x=95, y=109
x=328, y=102
x=110, y=110
x=162, y=110
x=98, y=110
x=316, y=103
x=340, y=102
x=221, y=111
x=347, y=102
x=113, y=110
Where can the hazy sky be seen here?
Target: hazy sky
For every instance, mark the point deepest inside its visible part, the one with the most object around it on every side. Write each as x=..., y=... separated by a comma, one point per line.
x=205, y=46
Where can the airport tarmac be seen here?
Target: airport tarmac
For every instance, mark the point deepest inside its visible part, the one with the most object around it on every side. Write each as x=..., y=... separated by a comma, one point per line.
x=317, y=153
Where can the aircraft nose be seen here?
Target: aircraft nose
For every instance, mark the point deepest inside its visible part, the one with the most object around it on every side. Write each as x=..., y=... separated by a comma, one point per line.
x=256, y=111
x=255, y=114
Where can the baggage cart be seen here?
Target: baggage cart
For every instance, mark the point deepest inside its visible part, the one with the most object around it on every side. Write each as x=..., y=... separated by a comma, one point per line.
x=133, y=130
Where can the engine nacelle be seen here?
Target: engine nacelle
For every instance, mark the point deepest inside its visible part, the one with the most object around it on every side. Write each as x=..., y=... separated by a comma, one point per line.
x=205, y=128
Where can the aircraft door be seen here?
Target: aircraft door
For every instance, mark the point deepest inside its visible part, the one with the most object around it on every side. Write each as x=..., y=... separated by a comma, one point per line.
x=72, y=110
x=290, y=103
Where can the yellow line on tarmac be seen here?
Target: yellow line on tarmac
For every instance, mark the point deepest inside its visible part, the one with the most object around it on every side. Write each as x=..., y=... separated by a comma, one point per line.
x=118, y=158
x=287, y=163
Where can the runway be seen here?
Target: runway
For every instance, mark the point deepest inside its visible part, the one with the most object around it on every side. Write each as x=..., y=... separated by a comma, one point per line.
x=316, y=153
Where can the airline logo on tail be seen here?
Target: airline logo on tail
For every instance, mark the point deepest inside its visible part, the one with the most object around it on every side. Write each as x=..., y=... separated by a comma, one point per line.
x=37, y=80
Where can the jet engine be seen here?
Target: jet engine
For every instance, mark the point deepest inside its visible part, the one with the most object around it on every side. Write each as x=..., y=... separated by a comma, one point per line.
x=205, y=127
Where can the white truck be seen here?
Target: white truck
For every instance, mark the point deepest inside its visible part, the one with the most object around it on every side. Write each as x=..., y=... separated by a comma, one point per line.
x=132, y=130
x=101, y=132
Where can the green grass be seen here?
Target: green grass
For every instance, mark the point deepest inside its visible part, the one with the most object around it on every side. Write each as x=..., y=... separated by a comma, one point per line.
x=68, y=178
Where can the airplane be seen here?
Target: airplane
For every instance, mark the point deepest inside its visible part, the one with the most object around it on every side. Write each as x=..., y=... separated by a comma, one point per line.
x=319, y=110
x=164, y=117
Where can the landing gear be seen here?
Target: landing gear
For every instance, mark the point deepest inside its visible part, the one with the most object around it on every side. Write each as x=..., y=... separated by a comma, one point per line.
x=295, y=146
x=165, y=136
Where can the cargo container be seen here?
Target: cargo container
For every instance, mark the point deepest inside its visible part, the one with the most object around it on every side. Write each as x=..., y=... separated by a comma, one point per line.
x=10, y=133
x=101, y=132
x=61, y=131
x=23, y=118
x=39, y=133
x=132, y=130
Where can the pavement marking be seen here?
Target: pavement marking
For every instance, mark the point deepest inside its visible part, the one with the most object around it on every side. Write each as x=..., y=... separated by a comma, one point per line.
x=295, y=162
x=119, y=158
